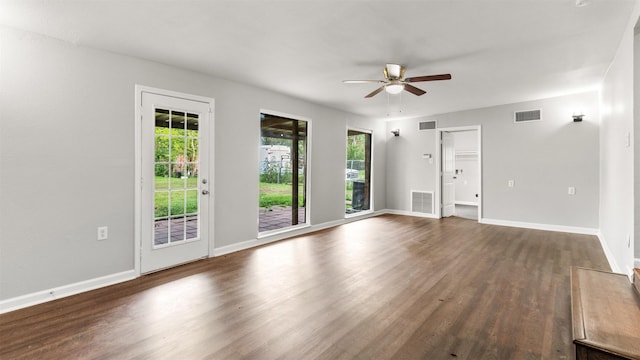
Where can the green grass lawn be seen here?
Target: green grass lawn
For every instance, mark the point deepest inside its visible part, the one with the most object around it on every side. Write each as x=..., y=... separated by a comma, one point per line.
x=270, y=195
x=278, y=195
x=178, y=204
x=178, y=194
x=162, y=183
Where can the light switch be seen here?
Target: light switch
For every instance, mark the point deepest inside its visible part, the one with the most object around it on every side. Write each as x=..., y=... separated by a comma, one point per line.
x=510, y=183
x=572, y=190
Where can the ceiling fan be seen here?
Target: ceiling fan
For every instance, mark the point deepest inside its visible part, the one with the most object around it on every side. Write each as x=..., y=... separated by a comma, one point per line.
x=395, y=82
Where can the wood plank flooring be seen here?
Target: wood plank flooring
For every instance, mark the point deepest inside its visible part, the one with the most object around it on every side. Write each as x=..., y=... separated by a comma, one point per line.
x=389, y=287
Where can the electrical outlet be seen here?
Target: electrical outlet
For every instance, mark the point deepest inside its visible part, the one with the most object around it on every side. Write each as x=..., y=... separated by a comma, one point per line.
x=572, y=190
x=103, y=233
x=510, y=183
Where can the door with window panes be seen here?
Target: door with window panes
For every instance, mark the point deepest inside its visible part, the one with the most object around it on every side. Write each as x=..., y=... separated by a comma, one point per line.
x=175, y=181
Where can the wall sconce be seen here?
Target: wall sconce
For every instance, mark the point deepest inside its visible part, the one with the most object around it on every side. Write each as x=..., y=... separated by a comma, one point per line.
x=395, y=132
x=577, y=117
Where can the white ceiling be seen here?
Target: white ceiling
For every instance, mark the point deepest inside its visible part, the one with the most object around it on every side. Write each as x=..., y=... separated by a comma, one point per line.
x=498, y=51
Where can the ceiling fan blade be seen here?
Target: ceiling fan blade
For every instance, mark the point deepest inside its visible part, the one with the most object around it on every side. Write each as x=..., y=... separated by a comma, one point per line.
x=428, y=78
x=375, y=92
x=414, y=90
x=362, y=81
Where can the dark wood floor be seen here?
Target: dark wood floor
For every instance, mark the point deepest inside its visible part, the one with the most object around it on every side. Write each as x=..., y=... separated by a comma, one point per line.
x=389, y=287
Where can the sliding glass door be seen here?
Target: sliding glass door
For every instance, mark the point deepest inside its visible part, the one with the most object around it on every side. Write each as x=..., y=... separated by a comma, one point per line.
x=283, y=170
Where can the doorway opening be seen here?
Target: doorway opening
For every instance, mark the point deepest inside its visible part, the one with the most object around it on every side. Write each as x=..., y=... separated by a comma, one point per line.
x=460, y=172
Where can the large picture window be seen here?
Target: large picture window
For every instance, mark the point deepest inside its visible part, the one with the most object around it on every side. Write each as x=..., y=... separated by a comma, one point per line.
x=358, y=172
x=283, y=172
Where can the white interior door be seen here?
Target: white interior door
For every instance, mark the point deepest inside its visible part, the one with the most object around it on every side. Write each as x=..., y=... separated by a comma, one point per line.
x=448, y=174
x=175, y=181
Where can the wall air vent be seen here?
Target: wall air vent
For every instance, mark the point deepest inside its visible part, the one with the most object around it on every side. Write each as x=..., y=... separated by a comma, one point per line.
x=427, y=125
x=527, y=115
x=422, y=202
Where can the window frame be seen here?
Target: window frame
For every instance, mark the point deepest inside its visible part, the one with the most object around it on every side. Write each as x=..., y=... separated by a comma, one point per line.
x=371, y=167
x=307, y=193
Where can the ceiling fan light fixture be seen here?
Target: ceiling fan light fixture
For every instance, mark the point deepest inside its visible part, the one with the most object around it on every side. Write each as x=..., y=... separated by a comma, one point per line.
x=394, y=89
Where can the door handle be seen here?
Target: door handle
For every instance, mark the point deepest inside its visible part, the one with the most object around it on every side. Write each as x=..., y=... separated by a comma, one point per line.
x=205, y=192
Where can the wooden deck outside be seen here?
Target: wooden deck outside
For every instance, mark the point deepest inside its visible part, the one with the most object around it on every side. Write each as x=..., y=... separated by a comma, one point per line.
x=278, y=217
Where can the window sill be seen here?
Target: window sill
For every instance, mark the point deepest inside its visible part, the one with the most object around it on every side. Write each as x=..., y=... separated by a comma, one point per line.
x=358, y=214
x=285, y=230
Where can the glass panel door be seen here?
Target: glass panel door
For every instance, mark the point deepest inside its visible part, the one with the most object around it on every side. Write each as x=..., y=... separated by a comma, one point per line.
x=175, y=189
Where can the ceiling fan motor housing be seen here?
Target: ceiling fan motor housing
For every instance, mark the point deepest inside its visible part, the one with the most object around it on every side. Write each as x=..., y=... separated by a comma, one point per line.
x=394, y=71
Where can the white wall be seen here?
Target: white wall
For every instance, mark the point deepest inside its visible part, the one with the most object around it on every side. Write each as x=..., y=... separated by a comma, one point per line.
x=616, y=158
x=67, y=158
x=544, y=158
x=407, y=170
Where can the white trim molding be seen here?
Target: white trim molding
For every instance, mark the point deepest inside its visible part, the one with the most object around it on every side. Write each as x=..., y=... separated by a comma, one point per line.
x=43, y=296
x=470, y=203
x=613, y=264
x=410, y=213
x=535, y=226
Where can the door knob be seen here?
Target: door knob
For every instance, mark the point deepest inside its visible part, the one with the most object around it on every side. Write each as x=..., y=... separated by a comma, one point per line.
x=205, y=192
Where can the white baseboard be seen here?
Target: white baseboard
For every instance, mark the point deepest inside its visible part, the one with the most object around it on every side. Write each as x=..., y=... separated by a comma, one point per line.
x=636, y=263
x=43, y=296
x=471, y=203
x=409, y=213
x=613, y=264
x=547, y=227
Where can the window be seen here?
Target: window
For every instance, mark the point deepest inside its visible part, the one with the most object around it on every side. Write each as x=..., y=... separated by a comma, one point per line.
x=176, y=177
x=358, y=172
x=283, y=172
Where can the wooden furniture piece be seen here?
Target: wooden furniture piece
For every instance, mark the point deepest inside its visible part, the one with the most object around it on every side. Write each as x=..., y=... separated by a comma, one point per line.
x=605, y=312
